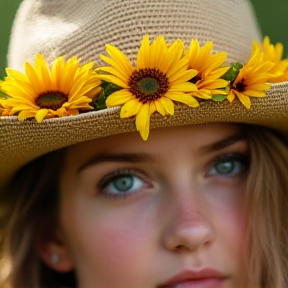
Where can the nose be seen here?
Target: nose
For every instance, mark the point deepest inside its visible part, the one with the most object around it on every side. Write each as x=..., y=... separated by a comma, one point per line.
x=188, y=226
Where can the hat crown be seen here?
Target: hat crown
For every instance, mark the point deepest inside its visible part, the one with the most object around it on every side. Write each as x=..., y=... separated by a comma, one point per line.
x=83, y=27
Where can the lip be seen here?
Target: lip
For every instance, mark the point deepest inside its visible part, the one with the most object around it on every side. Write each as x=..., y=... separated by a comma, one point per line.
x=202, y=278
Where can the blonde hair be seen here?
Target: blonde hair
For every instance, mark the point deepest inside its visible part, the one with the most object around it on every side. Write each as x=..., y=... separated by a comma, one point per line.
x=267, y=209
x=32, y=203
x=29, y=211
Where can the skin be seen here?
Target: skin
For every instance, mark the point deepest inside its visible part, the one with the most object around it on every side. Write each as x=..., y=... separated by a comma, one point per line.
x=181, y=213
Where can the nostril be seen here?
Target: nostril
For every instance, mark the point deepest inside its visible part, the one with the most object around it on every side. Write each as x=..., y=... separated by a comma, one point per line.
x=189, y=233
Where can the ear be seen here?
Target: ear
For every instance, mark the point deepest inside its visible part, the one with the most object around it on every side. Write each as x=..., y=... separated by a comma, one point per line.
x=55, y=254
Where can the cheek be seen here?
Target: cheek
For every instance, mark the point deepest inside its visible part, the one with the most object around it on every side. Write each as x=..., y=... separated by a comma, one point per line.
x=231, y=226
x=227, y=209
x=115, y=240
x=105, y=241
x=232, y=232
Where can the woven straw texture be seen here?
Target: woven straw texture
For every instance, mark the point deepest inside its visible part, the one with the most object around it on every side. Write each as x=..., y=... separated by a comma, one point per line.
x=83, y=27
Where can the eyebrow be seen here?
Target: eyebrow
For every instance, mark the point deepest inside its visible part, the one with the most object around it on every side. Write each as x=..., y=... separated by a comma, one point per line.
x=223, y=143
x=120, y=158
x=144, y=157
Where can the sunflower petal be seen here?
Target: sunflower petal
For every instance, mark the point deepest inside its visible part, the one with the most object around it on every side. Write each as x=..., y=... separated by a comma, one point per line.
x=16, y=91
x=183, y=76
x=115, y=72
x=17, y=75
x=20, y=103
x=119, y=97
x=218, y=72
x=245, y=100
x=231, y=96
x=81, y=92
x=213, y=84
x=44, y=70
x=182, y=65
x=215, y=61
x=183, y=87
x=183, y=98
x=160, y=108
x=56, y=73
x=152, y=108
x=173, y=55
x=157, y=49
x=253, y=93
x=34, y=80
x=40, y=115
x=143, y=56
x=24, y=114
x=258, y=87
x=117, y=81
x=167, y=104
x=120, y=58
x=203, y=94
x=130, y=108
x=193, y=53
x=204, y=54
x=68, y=74
x=125, y=72
x=143, y=121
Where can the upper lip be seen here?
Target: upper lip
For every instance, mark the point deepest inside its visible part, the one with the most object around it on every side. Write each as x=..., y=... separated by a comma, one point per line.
x=190, y=275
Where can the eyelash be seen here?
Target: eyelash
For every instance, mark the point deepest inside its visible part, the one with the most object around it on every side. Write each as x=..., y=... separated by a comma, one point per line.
x=115, y=175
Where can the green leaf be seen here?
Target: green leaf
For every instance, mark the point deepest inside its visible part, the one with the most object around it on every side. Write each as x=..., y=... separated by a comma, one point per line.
x=107, y=89
x=232, y=73
x=100, y=103
x=219, y=97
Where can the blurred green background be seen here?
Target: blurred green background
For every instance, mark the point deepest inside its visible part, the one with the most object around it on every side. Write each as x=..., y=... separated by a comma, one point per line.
x=272, y=15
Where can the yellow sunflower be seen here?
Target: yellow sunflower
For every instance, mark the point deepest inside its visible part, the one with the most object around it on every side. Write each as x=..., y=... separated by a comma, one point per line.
x=274, y=54
x=209, y=69
x=2, y=109
x=160, y=77
x=44, y=93
x=251, y=80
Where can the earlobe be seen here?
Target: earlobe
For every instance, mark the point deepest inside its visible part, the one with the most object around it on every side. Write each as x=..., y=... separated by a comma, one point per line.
x=55, y=255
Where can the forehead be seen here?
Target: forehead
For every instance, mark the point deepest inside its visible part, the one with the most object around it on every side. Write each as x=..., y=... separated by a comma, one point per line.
x=160, y=141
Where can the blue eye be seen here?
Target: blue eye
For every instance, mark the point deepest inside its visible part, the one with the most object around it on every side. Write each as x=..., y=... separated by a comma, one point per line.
x=228, y=167
x=122, y=184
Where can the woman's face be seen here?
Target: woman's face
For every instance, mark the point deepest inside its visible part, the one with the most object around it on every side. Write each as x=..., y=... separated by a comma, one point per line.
x=168, y=212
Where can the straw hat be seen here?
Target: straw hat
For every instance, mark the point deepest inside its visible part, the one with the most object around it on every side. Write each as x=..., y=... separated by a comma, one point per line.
x=83, y=27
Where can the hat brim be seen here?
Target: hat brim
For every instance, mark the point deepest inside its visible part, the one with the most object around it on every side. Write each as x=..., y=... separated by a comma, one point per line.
x=22, y=142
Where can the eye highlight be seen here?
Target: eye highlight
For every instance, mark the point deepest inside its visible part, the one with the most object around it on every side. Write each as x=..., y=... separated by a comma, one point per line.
x=122, y=183
x=229, y=165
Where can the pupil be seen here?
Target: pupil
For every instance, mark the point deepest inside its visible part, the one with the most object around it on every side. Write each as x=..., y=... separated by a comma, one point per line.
x=148, y=85
x=225, y=167
x=123, y=184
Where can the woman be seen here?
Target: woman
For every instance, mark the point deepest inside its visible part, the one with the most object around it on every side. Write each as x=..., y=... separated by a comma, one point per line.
x=183, y=205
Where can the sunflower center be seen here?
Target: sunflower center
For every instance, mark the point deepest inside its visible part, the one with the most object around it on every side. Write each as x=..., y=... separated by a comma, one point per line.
x=148, y=84
x=51, y=100
x=240, y=86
